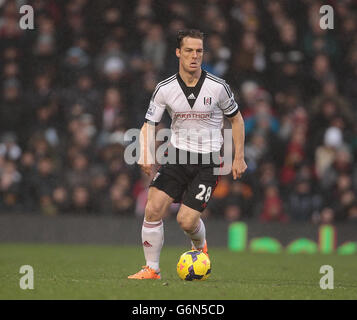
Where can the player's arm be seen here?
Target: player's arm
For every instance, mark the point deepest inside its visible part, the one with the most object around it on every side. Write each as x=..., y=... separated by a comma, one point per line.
x=239, y=165
x=147, y=147
x=147, y=133
x=231, y=110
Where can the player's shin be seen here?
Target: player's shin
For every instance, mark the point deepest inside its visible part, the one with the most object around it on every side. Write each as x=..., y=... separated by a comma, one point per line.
x=198, y=235
x=152, y=235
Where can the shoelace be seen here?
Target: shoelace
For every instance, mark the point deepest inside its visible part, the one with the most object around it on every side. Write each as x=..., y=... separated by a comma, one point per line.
x=148, y=268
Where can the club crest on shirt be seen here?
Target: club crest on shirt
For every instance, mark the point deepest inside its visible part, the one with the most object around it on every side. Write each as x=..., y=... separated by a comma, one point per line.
x=207, y=101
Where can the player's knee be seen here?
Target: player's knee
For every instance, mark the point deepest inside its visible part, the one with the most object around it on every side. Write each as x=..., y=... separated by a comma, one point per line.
x=186, y=222
x=153, y=212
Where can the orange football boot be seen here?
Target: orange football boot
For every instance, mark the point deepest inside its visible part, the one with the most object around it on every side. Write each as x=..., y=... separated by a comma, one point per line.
x=204, y=249
x=146, y=273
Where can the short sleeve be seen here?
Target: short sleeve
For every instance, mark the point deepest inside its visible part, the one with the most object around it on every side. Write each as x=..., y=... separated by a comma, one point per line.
x=226, y=101
x=156, y=107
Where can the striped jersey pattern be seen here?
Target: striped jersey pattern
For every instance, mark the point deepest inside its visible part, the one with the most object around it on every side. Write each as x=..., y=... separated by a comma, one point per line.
x=197, y=113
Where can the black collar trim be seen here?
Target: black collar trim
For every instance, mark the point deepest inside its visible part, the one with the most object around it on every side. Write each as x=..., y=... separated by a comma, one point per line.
x=192, y=93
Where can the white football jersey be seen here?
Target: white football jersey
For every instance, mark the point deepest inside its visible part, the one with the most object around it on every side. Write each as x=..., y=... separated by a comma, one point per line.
x=196, y=112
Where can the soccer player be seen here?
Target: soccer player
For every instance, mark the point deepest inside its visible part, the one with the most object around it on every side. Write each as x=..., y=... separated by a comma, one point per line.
x=194, y=99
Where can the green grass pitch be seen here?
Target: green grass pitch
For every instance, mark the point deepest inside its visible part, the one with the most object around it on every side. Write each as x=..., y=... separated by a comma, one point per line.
x=100, y=272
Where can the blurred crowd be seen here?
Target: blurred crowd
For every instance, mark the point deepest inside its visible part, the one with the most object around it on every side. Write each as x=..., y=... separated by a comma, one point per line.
x=71, y=88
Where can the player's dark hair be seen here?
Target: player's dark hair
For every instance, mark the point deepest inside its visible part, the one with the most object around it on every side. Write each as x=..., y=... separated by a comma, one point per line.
x=192, y=33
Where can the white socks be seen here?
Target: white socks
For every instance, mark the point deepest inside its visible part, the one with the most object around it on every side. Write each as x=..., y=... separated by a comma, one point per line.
x=152, y=235
x=198, y=236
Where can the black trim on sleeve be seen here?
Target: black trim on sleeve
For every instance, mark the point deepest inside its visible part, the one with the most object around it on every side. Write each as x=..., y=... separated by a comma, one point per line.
x=151, y=122
x=232, y=114
x=162, y=84
x=222, y=82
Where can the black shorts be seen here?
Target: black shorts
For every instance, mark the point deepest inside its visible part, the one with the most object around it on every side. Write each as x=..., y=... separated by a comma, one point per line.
x=190, y=184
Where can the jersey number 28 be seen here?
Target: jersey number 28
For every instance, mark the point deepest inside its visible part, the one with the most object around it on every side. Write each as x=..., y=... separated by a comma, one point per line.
x=200, y=196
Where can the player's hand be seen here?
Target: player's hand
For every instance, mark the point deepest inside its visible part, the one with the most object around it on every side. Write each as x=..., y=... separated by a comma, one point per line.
x=147, y=168
x=238, y=168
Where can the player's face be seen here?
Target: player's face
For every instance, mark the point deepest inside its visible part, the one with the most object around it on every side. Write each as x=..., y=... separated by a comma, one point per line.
x=190, y=54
